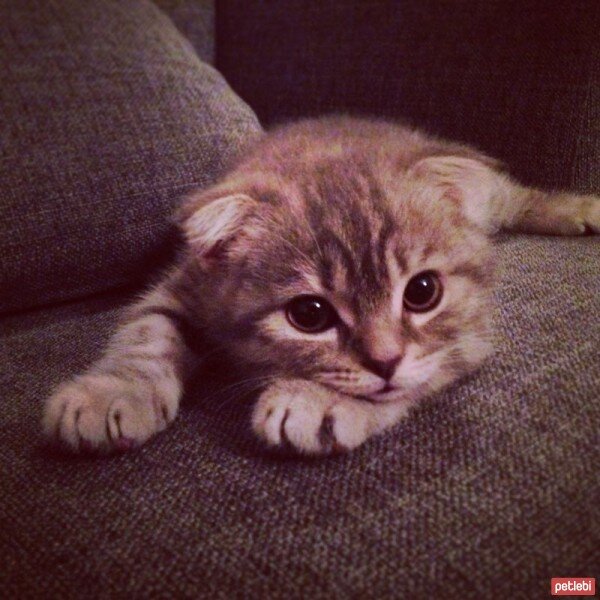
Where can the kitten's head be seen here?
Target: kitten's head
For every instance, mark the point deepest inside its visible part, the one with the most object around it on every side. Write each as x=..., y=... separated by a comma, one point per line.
x=348, y=272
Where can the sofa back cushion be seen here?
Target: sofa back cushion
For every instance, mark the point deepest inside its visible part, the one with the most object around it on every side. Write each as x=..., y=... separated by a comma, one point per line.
x=107, y=116
x=518, y=79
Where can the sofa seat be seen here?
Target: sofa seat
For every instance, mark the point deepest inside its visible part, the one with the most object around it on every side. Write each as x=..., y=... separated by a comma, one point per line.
x=487, y=490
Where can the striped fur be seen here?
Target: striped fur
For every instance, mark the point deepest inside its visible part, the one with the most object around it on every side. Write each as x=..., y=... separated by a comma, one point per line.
x=341, y=208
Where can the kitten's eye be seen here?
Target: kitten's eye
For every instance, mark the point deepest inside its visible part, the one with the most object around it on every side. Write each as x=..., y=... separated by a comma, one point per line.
x=310, y=314
x=423, y=292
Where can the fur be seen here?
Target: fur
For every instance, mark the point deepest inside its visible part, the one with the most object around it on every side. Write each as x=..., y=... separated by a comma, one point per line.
x=348, y=210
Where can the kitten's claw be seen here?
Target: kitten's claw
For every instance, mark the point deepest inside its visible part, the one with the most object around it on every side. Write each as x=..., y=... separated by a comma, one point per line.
x=305, y=418
x=102, y=413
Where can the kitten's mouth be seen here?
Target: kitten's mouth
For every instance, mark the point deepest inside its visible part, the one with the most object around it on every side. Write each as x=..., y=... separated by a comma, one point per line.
x=385, y=394
x=388, y=387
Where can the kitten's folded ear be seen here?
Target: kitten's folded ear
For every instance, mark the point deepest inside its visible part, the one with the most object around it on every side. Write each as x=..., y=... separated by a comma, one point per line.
x=476, y=185
x=211, y=219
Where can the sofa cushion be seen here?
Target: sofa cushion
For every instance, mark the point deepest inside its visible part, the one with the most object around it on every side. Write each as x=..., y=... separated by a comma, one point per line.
x=520, y=79
x=486, y=491
x=195, y=19
x=107, y=116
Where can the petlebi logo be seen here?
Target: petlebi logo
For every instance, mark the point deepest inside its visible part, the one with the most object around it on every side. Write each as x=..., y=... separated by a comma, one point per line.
x=573, y=586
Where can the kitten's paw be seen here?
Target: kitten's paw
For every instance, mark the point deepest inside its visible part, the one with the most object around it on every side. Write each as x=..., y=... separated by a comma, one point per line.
x=591, y=217
x=308, y=419
x=103, y=413
x=580, y=215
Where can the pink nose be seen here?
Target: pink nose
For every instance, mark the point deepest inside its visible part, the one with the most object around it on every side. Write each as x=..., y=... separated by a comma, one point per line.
x=383, y=368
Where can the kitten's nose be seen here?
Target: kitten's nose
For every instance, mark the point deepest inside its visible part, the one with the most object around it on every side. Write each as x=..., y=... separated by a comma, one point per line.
x=384, y=368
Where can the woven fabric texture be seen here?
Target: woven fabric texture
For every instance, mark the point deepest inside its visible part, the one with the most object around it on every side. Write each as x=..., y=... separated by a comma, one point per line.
x=485, y=491
x=195, y=19
x=107, y=116
x=519, y=78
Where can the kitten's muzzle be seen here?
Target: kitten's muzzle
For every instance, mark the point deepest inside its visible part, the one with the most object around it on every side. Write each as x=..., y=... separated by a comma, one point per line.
x=386, y=388
x=382, y=368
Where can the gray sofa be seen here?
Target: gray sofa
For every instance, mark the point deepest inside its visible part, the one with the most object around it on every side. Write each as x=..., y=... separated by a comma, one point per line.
x=109, y=111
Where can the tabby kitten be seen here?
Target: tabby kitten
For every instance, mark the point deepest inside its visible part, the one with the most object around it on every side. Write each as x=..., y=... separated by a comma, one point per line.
x=345, y=263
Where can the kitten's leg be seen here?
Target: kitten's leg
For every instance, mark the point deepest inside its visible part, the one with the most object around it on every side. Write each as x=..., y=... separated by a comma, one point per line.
x=493, y=201
x=553, y=213
x=311, y=419
x=133, y=390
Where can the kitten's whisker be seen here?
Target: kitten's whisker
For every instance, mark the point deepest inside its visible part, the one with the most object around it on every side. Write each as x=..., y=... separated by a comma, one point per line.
x=259, y=380
x=243, y=386
x=233, y=392
x=240, y=389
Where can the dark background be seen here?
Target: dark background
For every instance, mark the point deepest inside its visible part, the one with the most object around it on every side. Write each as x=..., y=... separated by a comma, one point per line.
x=518, y=79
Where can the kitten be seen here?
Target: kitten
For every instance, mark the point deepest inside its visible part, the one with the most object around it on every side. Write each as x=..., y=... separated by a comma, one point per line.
x=345, y=263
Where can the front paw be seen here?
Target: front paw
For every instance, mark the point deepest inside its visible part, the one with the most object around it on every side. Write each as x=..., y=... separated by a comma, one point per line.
x=102, y=413
x=309, y=419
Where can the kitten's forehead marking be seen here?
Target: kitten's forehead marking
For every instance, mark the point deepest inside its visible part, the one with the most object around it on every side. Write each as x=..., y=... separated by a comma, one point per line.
x=356, y=264
x=397, y=280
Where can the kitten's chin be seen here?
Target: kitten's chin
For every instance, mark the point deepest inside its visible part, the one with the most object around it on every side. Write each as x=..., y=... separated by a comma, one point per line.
x=380, y=394
x=397, y=394
x=391, y=395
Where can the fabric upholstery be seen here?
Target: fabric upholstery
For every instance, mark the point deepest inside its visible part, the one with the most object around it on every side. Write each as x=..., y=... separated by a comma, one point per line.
x=107, y=116
x=485, y=491
x=195, y=19
x=519, y=78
